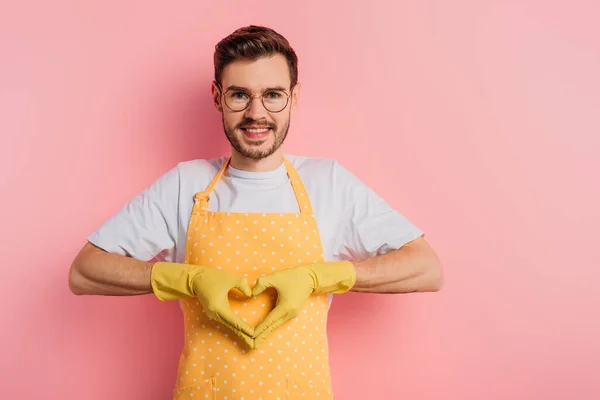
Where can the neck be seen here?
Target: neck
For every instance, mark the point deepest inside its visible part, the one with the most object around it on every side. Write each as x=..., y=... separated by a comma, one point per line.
x=266, y=164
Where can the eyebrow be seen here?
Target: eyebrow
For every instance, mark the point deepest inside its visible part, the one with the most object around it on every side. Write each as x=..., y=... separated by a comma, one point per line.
x=243, y=89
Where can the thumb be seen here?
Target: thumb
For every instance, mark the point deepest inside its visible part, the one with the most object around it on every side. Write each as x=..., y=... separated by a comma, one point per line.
x=243, y=286
x=262, y=284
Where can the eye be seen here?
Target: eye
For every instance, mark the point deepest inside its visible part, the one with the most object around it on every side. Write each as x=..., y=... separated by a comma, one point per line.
x=239, y=95
x=273, y=95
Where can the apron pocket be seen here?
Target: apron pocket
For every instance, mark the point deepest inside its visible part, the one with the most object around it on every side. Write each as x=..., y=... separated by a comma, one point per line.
x=203, y=390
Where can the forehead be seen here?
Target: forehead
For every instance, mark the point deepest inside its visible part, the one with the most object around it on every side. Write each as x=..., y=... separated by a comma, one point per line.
x=258, y=74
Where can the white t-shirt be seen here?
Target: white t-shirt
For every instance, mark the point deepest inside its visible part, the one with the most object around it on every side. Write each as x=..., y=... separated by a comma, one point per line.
x=354, y=222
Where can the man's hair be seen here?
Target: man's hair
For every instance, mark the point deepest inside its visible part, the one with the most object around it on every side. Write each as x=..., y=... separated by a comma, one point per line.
x=251, y=43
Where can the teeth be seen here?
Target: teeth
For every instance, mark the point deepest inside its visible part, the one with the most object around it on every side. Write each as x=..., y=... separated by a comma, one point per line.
x=257, y=130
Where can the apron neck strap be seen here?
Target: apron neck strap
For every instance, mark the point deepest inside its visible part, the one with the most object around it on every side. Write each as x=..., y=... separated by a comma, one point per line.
x=299, y=188
x=297, y=185
x=217, y=177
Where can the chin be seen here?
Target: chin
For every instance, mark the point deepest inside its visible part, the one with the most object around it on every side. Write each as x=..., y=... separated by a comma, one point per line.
x=256, y=153
x=254, y=144
x=255, y=149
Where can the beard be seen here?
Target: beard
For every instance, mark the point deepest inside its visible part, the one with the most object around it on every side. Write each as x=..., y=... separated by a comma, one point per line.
x=252, y=148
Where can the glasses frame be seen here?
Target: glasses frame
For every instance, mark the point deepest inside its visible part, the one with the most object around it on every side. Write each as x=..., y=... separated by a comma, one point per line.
x=253, y=96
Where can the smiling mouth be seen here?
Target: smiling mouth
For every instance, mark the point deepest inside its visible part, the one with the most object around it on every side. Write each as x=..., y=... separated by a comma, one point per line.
x=257, y=130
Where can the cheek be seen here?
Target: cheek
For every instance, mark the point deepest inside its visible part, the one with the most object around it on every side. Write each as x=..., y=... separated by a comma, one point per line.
x=280, y=120
x=231, y=120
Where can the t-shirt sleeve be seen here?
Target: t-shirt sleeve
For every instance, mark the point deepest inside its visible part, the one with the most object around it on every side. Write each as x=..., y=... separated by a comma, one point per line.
x=146, y=227
x=370, y=226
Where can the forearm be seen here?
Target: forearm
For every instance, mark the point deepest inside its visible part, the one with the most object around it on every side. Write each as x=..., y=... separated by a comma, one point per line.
x=97, y=272
x=414, y=267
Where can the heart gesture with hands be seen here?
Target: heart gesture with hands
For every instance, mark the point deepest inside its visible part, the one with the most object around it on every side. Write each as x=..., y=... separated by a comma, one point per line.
x=294, y=286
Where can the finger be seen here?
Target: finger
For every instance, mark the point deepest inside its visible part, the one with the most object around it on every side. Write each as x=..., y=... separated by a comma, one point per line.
x=262, y=284
x=243, y=286
x=267, y=332
x=249, y=340
x=259, y=340
x=233, y=322
x=279, y=313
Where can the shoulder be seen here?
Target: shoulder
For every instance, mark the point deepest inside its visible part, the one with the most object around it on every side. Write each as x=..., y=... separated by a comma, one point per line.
x=324, y=170
x=314, y=166
x=191, y=176
x=199, y=168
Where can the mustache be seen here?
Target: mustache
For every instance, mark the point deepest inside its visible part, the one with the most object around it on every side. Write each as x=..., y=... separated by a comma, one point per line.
x=250, y=122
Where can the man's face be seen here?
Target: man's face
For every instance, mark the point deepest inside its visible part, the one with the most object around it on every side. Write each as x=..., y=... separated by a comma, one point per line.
x=255, y=132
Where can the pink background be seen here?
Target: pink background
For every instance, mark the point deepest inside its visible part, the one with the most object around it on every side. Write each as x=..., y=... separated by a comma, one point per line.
x=479, y=120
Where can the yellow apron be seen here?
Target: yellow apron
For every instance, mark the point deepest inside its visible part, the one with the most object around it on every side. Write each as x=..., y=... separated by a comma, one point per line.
x=292, y=363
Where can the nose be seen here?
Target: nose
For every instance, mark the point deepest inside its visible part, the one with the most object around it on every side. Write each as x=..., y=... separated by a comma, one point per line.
x=256, y=110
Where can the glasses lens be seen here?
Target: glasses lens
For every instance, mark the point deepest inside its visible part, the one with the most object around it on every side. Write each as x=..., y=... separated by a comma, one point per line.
x=237, y=100
x=275, y=100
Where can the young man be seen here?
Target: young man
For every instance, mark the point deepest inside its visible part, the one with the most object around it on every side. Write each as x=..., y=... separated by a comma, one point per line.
x=254, y=245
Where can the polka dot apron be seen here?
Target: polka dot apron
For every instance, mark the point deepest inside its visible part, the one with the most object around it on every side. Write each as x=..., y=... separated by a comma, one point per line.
x=292, y=363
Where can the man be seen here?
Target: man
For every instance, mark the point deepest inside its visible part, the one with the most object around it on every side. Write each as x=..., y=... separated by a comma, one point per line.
x=254, y=246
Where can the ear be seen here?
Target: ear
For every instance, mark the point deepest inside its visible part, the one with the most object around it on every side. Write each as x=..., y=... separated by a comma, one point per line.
x=296, y=95
x=216, y=93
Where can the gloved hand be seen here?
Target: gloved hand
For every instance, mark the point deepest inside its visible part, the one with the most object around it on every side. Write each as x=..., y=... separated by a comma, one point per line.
x=171, y=281
x=295, y=285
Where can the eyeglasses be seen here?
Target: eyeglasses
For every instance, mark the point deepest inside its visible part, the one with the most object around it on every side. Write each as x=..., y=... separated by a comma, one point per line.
x=238, y=99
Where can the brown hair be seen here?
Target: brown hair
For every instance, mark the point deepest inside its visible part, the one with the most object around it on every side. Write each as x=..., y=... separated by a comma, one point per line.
x=251, y=43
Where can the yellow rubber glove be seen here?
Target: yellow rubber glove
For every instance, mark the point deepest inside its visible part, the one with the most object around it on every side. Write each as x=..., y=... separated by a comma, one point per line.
x=171, y=281
x=295, y=285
